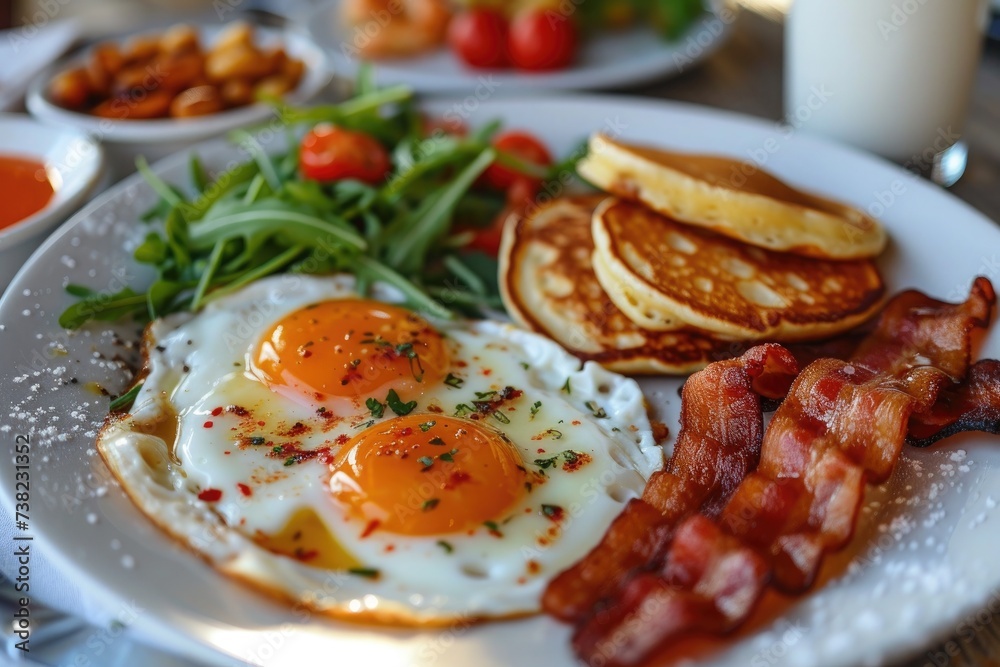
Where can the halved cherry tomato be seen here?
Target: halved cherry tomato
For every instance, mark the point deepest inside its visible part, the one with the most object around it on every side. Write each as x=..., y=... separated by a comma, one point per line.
x=330, y=153
x=521, y=145
x=479, y=38
x=520, y=195
x=542, y=39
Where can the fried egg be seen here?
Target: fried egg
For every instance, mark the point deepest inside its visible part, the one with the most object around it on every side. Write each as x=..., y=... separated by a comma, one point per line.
x=349, y=455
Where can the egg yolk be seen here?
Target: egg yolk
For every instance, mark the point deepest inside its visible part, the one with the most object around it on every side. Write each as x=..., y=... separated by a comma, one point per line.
x=427, y=475
x=350, y=348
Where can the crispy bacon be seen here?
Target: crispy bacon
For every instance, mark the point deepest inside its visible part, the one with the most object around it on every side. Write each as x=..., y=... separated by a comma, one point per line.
x=719, y=442
x=842, y=425
x=970, y=405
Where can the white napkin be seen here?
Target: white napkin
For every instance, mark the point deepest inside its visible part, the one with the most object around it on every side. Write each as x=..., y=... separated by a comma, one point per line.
x=27, y=50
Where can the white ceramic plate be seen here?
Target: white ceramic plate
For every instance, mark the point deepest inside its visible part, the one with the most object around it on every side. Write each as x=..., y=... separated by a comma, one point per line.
x=923, y=559
x=609, y=60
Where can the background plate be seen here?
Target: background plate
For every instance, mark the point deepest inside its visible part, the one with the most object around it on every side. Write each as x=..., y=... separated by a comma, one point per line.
x=608, y=60
x=922, y=561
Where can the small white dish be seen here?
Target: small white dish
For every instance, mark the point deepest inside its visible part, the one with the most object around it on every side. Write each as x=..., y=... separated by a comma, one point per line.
x=74, y=163
x=124, y=140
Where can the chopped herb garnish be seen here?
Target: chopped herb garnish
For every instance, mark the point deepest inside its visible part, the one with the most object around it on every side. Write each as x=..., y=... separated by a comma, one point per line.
x=448, y=456
x=446, y=546
x=291, y=460
x=597, y=410
x=426, y=426
x=125, y=400
x=535, y=408
x=493, y=528
x=258, y=440
x=369, y=572
x=525, y=365
x=355, y=363
x=398, y=406
x=567, y=388
x=430, y=504
x=436, y=441
x=376, y=406
x=485, y=394
x=454, y=381
x=569, y=456
x=370, y=422
x=426, y=462
x=554, y=434
x=462, y=409
x=501, y=417
x=277, y=449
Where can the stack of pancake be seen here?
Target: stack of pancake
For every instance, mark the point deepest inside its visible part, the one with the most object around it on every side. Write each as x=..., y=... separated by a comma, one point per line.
x=686, y=260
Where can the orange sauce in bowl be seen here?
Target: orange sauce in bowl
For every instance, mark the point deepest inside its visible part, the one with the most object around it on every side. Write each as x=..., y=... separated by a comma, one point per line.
x=25, y=188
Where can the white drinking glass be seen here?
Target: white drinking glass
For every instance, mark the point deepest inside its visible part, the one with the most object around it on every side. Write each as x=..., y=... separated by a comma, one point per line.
x=890, y=76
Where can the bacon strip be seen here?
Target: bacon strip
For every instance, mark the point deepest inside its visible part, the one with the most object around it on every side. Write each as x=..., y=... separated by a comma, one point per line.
x=719, y=442
x=842, y=425
x=971, y=405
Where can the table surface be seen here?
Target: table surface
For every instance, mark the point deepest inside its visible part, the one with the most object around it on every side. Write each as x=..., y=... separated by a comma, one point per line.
x=745, y=75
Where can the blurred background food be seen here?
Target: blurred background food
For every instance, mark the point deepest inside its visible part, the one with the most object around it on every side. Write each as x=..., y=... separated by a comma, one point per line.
x=533, y=35
x=178, y=75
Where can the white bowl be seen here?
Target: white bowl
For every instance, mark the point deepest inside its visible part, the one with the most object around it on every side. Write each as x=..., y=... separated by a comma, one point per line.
x=74, y=162
x=125, y=139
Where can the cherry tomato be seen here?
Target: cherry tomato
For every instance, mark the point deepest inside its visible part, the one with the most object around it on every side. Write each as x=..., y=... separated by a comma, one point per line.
x=479, y=37
x=330, y=153
x=542, y=40
x=520, y=195
x=521, y=145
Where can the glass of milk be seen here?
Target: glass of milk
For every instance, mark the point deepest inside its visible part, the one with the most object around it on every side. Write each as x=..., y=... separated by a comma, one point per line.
x=890, y=76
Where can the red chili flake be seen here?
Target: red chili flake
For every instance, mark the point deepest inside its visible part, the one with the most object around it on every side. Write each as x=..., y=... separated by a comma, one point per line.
x=209, y=424
x=261, y=423
x=216, y=412
x=227, y=452
x=437, y=409
x=487, y=371
x=390, y=548
x=461, y=364
x=342, y=439
x=456, y=478
x=304, y=555
x=534, y=567
x=580, y=460
x=541, y=451
x=370, y=528
x=405, y=432
x=210, y=495
x=239, y=411
x=553, y=513
x=244, y=489
x=575, y=422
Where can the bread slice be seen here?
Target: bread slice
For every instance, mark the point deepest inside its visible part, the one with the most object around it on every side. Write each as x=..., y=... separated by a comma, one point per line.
x=659, y=272
x=733, y=198
x=548, y=285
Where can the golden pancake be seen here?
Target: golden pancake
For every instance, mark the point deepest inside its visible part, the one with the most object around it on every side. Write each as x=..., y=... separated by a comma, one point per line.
x=664, y=271
x=548, y=285
x=733, y=198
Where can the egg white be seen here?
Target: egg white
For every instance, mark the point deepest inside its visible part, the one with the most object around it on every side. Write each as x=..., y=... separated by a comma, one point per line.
x=198, y=363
